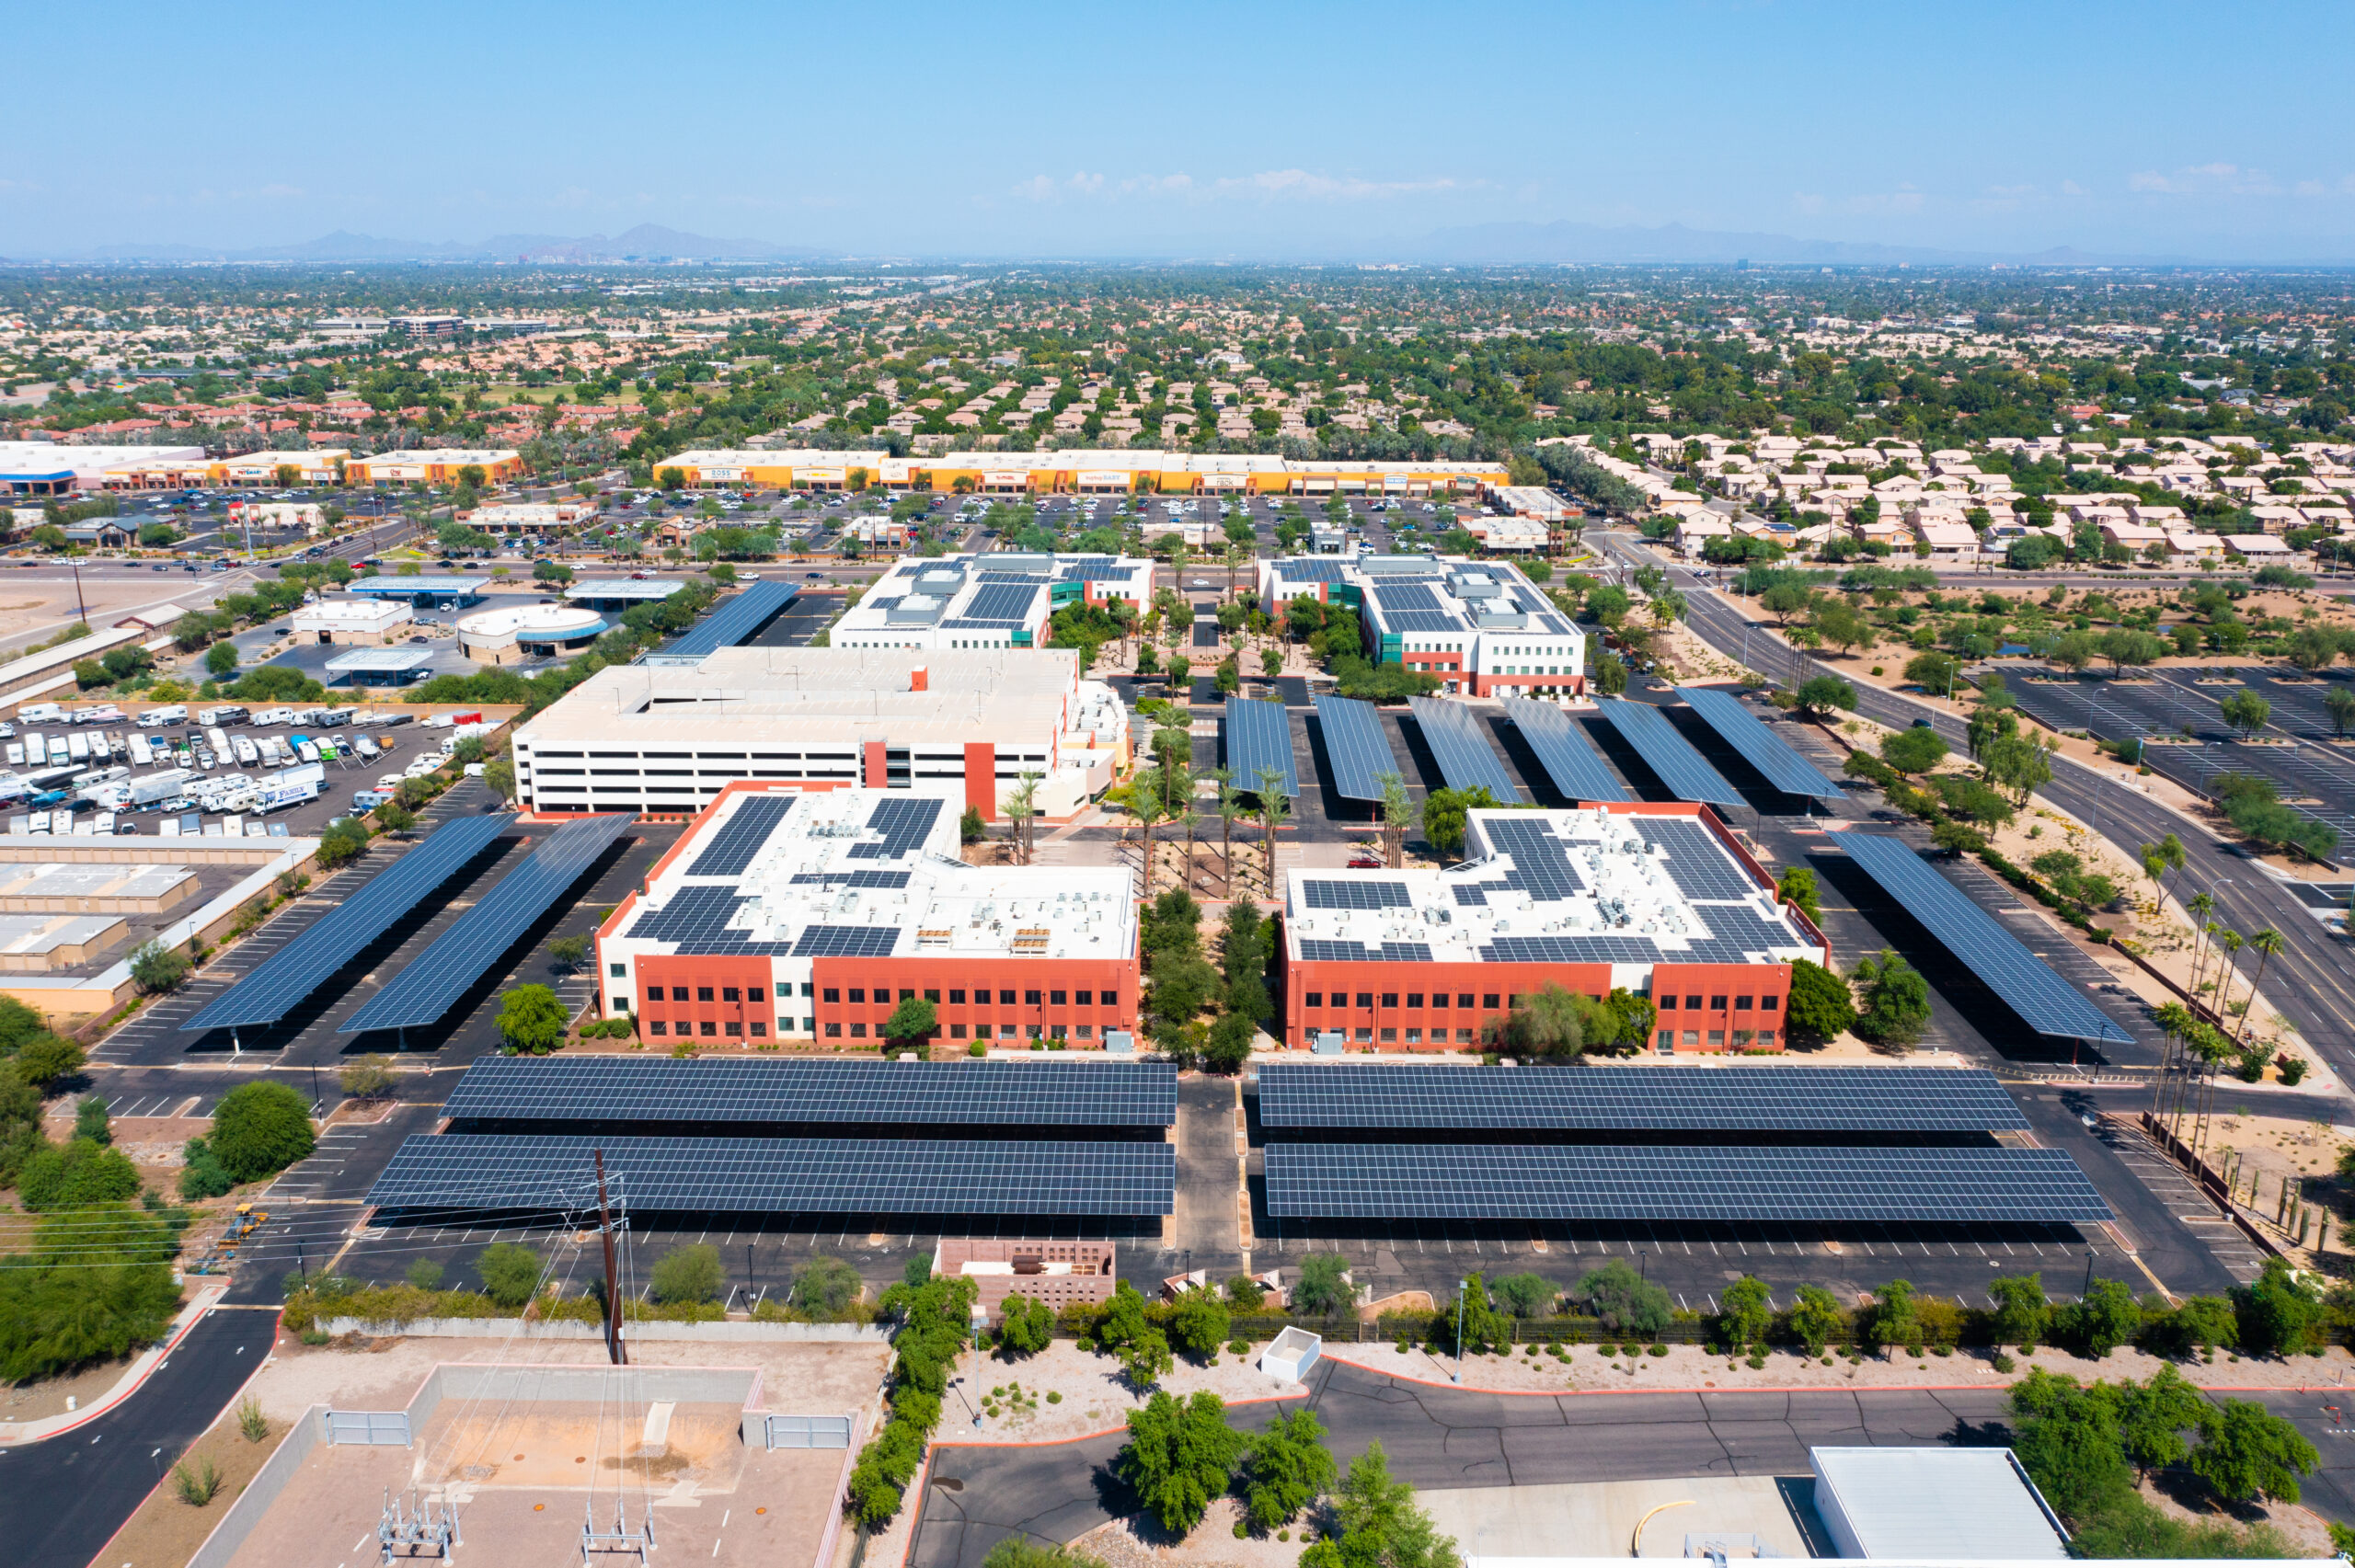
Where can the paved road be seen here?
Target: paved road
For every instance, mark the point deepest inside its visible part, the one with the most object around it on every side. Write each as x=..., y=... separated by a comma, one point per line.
x=64, y=1499
x=2312, y=982
x=1436, y=1436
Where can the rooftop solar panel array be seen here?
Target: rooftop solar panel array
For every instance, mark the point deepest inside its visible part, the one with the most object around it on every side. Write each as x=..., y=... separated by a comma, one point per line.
x=2047, y=1003
x=1570, y=758
x=731, y=848
x=778, y=1175
x=1684, y=770
x=696, y=917
x=1356, y=893
x=1309, y=571
x=737, y=619
x=1360, y=751
x=903, y=820
x=999, y=604
x=1760, y=746
x=1728, y=1184
x=1405, y=596
x=1465, y=759
x=963, y=1093
x=287, y=976
x=1258, y=738
x=432, y=982
x=851, y=878
x=1320, y=950
x=1094, y=568
x=1697, y=858
x=847, y=942
x=1635, y=1099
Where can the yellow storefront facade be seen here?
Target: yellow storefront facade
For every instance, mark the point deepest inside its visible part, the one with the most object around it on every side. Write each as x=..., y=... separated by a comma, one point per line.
x=1083, y=472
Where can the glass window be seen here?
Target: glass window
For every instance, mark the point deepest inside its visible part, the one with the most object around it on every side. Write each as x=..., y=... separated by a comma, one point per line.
x=1769, y=1004
x=1390, y=1036
x=1414, y=999
x=1056, y=1032
x=905, y=995
x=1390, y=999
x=735, y=1028
x=833, y=993
x=1718, y=1037
x=703, y=993
x=710, y=1028
x=858, y=993
x=1464, y=1036
x=1667, y=1039
x=833, y=1031
x=1005, y=1031
x=956, y=1031
x=1107, y=998
x=1365, y=999
x=1414, y=1036
x=858, y=1031
x=1365, y=1036
x=1765, y=1036
x=1693, y=1004
x=1005, y=999
x=1692, y=1036
x=619, y=971
x=1489, y=1000
x=1314, y=999
x=756, y=993
x=678, y=993
x=728, y=994
x=1085, y=1031
x=1029, y=999
x=658, y=1027
x=1743, y=1004
x=621, y=1004
x=759, y=1029
x=1668, y=1004
x=1439, y=999
x=1056, y=999
x=1717, y=1005
x=1464, y=998
x=956, y=998
x=805, y=991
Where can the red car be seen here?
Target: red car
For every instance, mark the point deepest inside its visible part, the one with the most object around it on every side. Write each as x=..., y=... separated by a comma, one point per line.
x=1364, y=863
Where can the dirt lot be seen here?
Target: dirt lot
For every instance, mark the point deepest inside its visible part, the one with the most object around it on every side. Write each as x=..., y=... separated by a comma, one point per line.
x=165, y=1531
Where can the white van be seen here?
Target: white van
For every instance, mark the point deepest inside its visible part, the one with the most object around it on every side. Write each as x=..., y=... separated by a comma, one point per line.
x=40, y=712
x=141, y=752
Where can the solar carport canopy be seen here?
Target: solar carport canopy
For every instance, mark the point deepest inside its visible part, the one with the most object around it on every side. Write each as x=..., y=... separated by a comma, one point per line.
x=1258, y=739
x=1465, y=759
x=736, y=619
x=1685, y=772
x=1570, y=758
x=1637, y=1099
x=2046, y=1002
x=1760, y=746
x=445, y=1172
x=433, y=981
x=1361, y=753
x=290, y=975
x=1738, y=1186
x=783, y=1092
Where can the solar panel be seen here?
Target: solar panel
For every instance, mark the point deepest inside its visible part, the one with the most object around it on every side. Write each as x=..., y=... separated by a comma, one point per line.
x=851, y=878
x=1309, y=571
x=1635, y=1099
x=696, y=917
x=730, y=849
x=737, y=619
x=1420, y=620
x=1725, y=1185
x=2045, y=1002
x=1570, y=950
x=1405, y=596
x=1697, y=860
x=1570, y=758
x=1373, y=893
x=620, y=1090
x=1004, y=602
x=1684, y=770
x=1093, y=568
x=1258, y=739
x=1360, y=751
x=1465, y=759
x=778, y=1175
x=296, y=970
x=1317, y=950
x=1541, y=864
x=847, y=942
x=432, y=982
x=903, y=820
x=1760, y=746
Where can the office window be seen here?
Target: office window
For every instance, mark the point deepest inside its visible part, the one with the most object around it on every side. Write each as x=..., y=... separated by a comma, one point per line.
x=678, y=993
x=1769, y=1004
x=1464, y=1036
x=759, y=1030
x=857, y=993
x=709, y=1029
x=1030, y=1031
x=1390, y=999
x=619, y=971
x=1765, y=1036
x=734, y=1028
x=653, y=996
x=1464, y=998
x=833, y=993
x=1365, y=999
x=1055, y=1032
x=1668, y=1039
x=1489, y=1000
x=1414, y=1036
x=833, y=1031
x=1005, y=998
x=703, y=993
x=1743, y=1004
x=1029, y=999
x=956, y=1031
x=1390, y=1036
x=1365, y=1036
x=931, y=996
x=1439, y=999
x=658, y=1027
x=1005, y=1031
x=1692, y=1036
x=858, y=1031
x=905, y=995
x=1083, y=999
x=1085, y=1031
x=756, y=993
x=805, y=991
x=1668, y=1004
x=621, y=1004
x=956, y=998
x=728, y=994
x=1718, y=1038
x=1717, y=1005
x=1056, y=999
x=1108, y=997
x=1692, y=1004
x=1414, y=999
x=1314, y=999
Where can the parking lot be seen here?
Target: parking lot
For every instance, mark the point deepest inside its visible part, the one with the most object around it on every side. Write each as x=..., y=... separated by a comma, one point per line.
x=2176, y=712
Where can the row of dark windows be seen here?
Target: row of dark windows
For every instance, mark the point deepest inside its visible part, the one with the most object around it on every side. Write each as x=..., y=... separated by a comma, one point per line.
x=703, y=993
x=759, y=1031
x=1489, y=999
x=981, y=997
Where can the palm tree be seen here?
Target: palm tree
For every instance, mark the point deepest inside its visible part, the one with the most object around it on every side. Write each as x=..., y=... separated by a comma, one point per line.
x=1236, y=556
x=1398, y=815
x=1171, y=742
x=1274, y=807
x=2201, y=907
x=1192, y=819
x=1230, y=807
x=2268, y=943
x=2174, y=1019
x=1145, y=805
x=1021, y=803
x=2229, y=940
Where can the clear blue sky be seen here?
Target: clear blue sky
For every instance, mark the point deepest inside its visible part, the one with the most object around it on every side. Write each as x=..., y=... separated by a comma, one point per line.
x=1198, y=129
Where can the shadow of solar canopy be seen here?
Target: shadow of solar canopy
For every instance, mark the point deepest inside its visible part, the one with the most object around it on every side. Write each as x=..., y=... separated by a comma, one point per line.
x=1637, y=1099
x=1733, y=1186
x=1258, y=739
x=1360, y=751
x=1760, y=746
x=1570, y=760
x=288, y=976
x=623, y=1090
x=432, y=982
x=2046, y=1002
x=1465, y=759
x=463, y=1174
x=1685, y=772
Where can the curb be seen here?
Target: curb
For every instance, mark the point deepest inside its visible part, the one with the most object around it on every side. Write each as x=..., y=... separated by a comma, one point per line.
x=132, y=1381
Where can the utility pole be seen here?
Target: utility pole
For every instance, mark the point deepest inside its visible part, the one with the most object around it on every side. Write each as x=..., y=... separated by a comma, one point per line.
x=613, y=1351
x=83, y=609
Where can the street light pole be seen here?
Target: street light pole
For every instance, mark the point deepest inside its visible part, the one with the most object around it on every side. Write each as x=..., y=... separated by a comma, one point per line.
x=1460, y=1287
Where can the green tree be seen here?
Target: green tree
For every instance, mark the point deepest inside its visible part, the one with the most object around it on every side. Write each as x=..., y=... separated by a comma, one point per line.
x=1025, y=1326
x=1894, y=1319
x=156, y=969
x=1527, y=1295
x=1745, y=1314
x=2246, y=712
x=1819, y=697
x=1896, y=1000
x=1915, y=751
x=93, y=1286
x=1198, y=1323
x=1378, y=1525
x=1288, y=1467
x=1179, y=1458
x=1321, y=1291
x=221, y=659
x=912, y=1022
x=824, y=1287
x=2246, y=1452
x=1146, y=1360
x=1797, y=886
x=2068, y=1441
x=90, y=1120
x=510, y=1273
x=2154, y=1416
x=971, y=827
x=1549, y=1022
x=2126, y=647
x=1820, y=1006
x=1814, y=1318
x=2107, y=1317
x=2275, y=1312
x=2340, y=703
x=47, y=1061
x=260, y=1129
x=1446, y=812
x=1625, y=1301
x=688, y=1275
x=532, y=1021
x=2022, y=1313
x=367, y=1078
x=76, y=1175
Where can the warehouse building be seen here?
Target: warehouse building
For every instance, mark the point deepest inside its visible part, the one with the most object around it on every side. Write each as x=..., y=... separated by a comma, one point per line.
x=1118, y=471
x=669, y=738
x=1658, y=900
x=53, y=468
x=813, y=911
x=1482, y=628
x=985, y=601
x=361, y=623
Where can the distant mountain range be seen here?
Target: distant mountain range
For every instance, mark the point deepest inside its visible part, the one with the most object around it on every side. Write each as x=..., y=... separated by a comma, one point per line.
x=648, y=242
x=1511, y=244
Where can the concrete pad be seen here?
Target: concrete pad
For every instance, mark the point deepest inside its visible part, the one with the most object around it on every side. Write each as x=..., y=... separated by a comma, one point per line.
x=1599, y=1519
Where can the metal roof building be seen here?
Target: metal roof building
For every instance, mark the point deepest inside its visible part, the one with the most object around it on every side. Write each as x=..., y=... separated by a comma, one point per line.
x=1949, y=1505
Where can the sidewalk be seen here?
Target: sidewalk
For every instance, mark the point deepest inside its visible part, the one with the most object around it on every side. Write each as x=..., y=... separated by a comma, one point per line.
x=17, y=1434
